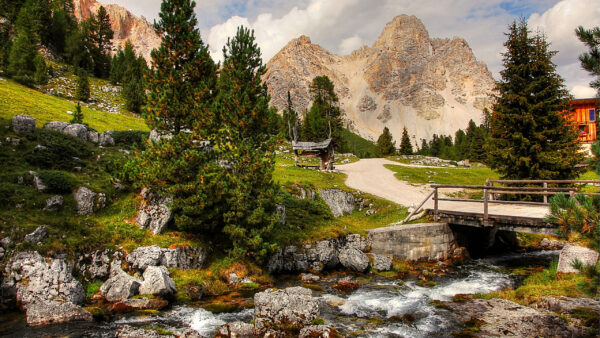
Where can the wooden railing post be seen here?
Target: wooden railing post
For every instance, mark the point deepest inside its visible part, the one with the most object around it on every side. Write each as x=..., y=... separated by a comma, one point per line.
x=435, y=204
x=545, y=191
x=485, y=206
x=489, y=183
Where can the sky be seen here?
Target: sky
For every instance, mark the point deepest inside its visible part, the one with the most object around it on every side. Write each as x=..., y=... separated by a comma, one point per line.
x=342, y=26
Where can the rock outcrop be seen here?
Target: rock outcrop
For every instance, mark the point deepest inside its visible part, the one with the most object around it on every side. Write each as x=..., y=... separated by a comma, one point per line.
x=571, y=253
x=292, y=306
x=500, y=317
x=37, y=235
x=120, y=286
x=82, y=132
x=23, y=124
x=154, y=212
x=183, y=258
x=125, y=25
x=46, y=313
x=157, y=282
x=405, y=78
x=84, y=198
x=340, y=202
x=348, y=251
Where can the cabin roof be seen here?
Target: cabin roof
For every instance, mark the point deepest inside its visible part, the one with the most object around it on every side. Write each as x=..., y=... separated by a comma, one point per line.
x=311, y=146
x=587, y=101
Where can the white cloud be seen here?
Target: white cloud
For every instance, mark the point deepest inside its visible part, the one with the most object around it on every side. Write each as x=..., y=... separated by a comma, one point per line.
x=583, y=92
x=350, y=44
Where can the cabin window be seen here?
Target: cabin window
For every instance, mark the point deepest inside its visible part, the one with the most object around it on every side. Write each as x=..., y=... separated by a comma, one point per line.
x=592, y=115
x=582, y=130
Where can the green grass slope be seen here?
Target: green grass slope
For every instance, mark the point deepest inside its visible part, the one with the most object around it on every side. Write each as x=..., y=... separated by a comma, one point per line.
x=16, y=99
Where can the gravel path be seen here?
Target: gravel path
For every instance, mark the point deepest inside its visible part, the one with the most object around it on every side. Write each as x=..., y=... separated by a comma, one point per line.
x=370, y=176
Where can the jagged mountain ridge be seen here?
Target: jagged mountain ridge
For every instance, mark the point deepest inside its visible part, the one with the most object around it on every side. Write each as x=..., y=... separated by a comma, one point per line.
x=125, y=25
x=404, y=79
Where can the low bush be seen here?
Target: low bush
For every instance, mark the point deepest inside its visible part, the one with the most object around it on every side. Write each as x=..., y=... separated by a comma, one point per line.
x=57, y=181
x=130, y=138
x=58, y=151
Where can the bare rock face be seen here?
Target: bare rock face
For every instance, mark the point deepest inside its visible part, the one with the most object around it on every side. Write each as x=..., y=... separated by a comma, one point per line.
x=120, y=286
x=51, y=312
x=340, y=202
x=84, y=198
x=505, y=318
x=154, y=212
x=237, y=329
x=570, y=253
x=157, y=282
x=292, y=306
x=405, y=78
x=125, y=25
x=23, y=124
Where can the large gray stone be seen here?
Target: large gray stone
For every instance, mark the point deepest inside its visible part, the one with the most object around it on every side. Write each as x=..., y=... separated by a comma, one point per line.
x=157, y=282
x=23, y=124
x=37, y=235
x=120, y=286
x=154, y=212
x=145, y=256
x=430, y=241
x=183, y=258
x=291, y=306
x=381, y=262
x=30, y=278
x=77, y=130
x=503, y=318
x=93, y=136
x=127, y=331
x=320, y=331
x=106, y=139
x=95, y=265
x=354, y=259
x=56, y=125
x=237, y=330
x=570, y=253
x=340, y=202
x=84, y=198
x=53, y=312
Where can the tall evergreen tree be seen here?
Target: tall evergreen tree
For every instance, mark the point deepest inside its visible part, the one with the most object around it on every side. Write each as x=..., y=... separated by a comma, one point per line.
x=41, y=70
x=405, y=145
x=531, y=139
x=590, y=60
x=385, y=142
x=424, y=150
x=183, y=75
x=324, y=117
x=82, y=93
x=243, y=104
x=290, y=120
x=21, y=66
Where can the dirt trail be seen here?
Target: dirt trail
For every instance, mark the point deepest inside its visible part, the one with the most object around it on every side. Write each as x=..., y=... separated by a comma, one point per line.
x=370, y=176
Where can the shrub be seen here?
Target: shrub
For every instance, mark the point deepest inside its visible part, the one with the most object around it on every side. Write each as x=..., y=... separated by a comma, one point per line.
x=129, y=138
x=57, y=181
x=61, y=151
x=577, y=214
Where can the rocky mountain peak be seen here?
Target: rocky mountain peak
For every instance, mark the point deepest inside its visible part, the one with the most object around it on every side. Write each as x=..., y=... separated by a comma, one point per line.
x=403, y=29
x=431, y=86
x=125, y=25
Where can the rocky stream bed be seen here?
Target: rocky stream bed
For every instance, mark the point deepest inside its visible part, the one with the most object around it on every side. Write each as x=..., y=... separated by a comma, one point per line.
x=379, y=307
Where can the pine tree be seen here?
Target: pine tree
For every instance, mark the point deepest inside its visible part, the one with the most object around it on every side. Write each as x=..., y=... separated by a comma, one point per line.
x=424, y=150
x=183, y=75
x=77, y=115
x=82, y=92
x=41, y=70
x=242, y=103
x=324, y=117
x=590, y=61
x=405, y=145
x=21, y=66
x=99, y=36
x=290, y=120
x=530, y=137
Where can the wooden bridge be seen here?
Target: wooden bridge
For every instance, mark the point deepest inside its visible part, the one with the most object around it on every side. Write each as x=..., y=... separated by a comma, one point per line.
x=493, y=213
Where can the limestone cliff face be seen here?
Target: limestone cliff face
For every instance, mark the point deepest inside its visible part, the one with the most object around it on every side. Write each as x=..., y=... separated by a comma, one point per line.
x=125, y=25
x=405, y=79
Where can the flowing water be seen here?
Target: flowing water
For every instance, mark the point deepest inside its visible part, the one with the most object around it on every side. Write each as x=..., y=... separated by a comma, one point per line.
x=373, y=310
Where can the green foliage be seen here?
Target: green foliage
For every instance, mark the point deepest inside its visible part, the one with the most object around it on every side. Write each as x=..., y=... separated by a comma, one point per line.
x=385, y=142
x=323, y=120
x=290, y=120
x=590, y=61
x=129, y=138
x=57, y=181
x=21, y=66
x=405, y=145
x=41, y=70
x=77, y=115
x=92, y=288
x=576, y=214
x=83, y=86
x=355, y=144
x=530, y=137
x=183, y=76
x=129, y=71
x=58, y=152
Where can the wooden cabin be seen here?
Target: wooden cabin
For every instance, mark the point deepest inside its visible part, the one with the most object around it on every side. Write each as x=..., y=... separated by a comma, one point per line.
x=323, y=149
x=583, y=116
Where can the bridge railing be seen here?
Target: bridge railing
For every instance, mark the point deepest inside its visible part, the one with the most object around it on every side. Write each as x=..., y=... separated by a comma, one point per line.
x=489, y=192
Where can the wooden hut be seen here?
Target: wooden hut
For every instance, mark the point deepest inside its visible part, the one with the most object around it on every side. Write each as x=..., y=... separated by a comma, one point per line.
x=323, y=149
x=583, y=116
